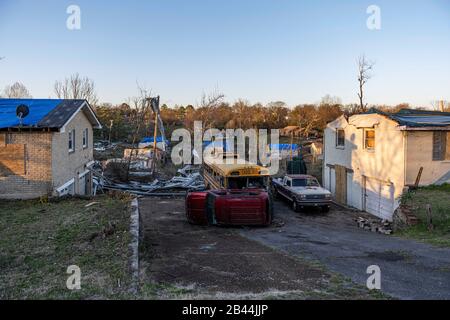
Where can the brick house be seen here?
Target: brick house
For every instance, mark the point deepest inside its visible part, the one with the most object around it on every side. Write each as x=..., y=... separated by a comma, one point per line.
x=49, y=151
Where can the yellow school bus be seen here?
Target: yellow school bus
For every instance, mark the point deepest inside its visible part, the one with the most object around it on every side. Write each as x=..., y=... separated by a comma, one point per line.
x=233, y=174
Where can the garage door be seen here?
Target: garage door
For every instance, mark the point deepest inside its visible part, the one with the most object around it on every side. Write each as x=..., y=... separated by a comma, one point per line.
x=378, y=198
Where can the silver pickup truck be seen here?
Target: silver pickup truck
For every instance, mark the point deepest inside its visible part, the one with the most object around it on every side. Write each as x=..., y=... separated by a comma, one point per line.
x=302, y=191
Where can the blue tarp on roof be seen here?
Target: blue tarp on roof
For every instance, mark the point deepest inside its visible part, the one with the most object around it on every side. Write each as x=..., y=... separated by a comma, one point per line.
x=39, y=108
x=283, y=146
x=417, y=118
x=418, y=121
x=152, y=139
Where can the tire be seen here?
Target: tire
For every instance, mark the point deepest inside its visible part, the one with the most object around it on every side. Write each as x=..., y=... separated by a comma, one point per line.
x=276, y=195
x=295, y=205
x=326, y=209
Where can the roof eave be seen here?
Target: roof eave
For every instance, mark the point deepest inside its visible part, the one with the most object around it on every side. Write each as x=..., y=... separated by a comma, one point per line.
x=93, y=119
x=28, y=128
x=423, y=128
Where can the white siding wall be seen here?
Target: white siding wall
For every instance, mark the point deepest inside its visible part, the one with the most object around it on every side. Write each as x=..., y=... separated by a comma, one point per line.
x=385, y=163
x=420, y=154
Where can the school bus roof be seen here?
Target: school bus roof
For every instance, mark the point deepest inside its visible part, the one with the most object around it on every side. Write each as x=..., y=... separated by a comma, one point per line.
x=236, y=168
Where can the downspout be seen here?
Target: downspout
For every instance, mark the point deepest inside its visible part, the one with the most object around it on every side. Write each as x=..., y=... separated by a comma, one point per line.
x=405, y=155
x=324, y=159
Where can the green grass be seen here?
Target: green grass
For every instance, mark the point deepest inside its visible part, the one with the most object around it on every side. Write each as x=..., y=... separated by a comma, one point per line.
x=439, y=198
x=40, y=240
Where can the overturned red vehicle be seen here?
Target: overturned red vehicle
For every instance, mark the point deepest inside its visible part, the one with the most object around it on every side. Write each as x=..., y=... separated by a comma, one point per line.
x=229, y=207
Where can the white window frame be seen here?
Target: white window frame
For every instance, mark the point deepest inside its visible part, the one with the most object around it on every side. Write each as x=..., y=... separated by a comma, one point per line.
x=72, y=141
x=85, y=138
x=365, y=137
x=340, y=146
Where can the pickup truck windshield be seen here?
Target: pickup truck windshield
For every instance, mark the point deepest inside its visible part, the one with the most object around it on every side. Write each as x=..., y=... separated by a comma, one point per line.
x=308, y=182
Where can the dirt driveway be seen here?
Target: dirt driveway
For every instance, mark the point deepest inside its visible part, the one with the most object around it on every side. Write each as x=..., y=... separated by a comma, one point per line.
x=179, y=260
x=409, y=269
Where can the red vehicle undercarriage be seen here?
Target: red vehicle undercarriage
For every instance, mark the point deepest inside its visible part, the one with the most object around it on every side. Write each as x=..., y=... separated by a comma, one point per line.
x=229, y=207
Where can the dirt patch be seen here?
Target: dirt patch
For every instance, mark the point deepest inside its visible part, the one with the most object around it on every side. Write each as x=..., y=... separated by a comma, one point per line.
x=183, y=260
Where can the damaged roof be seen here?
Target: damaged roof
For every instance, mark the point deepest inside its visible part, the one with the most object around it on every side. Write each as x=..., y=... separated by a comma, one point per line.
x=44, y=113
x=416, y=118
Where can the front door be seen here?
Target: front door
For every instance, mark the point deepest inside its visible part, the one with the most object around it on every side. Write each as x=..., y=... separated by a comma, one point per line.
x=341, y=184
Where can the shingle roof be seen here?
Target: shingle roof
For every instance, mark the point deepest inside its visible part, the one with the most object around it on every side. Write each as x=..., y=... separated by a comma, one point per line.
x=416, y=118
x=44, y=113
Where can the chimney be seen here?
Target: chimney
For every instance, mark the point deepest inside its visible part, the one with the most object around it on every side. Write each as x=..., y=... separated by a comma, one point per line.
x=441, y=106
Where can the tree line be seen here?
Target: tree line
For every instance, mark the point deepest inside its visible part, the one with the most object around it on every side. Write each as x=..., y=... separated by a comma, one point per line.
x=120, y=121
x=134, y=119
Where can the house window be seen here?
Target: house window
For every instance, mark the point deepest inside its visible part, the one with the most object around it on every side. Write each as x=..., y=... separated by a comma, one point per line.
x=369, y=139
x=72, y=141
x=85, y=138
x=441, y=146
x=340, y=138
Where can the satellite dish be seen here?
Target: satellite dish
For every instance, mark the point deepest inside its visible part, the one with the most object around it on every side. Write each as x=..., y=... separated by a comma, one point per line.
x=22, y=111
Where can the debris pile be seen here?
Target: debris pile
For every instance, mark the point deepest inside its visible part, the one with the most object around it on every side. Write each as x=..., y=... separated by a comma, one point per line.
x=188, y=180
x=103, y=145
x=375, y=225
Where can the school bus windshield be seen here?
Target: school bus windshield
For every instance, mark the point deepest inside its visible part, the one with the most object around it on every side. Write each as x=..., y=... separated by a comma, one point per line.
x=246, y=182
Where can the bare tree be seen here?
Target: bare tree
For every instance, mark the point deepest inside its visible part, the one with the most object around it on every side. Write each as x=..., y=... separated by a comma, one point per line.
x=440, y=105
x=208, y=104
x=140, y=104
x=212, y=100
x=364, y=74
x=76, y=87
x=17, y=90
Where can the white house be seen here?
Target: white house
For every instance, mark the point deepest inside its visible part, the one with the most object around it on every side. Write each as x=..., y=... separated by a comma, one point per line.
x=369, y=159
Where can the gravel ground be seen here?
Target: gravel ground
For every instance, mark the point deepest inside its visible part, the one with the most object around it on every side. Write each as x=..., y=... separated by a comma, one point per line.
x=409, y=269
x=179, y=260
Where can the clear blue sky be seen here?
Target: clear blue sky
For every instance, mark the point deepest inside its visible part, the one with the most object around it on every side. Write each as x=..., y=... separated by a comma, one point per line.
x=260, y=50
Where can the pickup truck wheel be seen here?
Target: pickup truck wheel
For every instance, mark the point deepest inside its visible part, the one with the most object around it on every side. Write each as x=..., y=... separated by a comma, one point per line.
x=276, y=195
x=294, y=205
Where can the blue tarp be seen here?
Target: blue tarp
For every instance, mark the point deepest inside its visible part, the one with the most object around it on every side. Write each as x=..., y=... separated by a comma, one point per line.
x=151, y=140
x=39, y=108
x=283, y=146
x=416, y=118
x=422, y=121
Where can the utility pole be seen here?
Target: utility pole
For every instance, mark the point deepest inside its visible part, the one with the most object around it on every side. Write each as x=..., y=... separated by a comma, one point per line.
x=110, y=129
x=155, y=106
x=292, y=144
